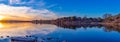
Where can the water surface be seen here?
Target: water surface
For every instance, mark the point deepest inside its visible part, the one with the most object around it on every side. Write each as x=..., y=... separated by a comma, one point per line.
x=53, y=33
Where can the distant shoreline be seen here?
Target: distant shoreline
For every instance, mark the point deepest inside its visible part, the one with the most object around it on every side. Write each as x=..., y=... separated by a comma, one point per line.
x=108, y=20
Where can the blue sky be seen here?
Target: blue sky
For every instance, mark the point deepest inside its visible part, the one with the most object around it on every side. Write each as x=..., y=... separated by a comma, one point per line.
x=90, y=8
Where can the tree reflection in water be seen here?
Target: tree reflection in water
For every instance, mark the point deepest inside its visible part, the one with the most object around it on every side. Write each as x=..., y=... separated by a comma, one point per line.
x=107, y=28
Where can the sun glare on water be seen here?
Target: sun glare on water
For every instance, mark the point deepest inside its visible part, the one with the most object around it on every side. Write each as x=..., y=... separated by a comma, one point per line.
x=1, y=25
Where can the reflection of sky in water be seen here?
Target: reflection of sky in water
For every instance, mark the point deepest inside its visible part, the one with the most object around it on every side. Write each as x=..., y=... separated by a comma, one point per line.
x=85, y=35
x=44, y=31
x=8, y=29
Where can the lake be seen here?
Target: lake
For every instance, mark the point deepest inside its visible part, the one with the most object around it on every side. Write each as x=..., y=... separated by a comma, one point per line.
x=54, y=33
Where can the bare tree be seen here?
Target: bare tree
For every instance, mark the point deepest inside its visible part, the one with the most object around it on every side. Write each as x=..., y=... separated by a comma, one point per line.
x=107, y=15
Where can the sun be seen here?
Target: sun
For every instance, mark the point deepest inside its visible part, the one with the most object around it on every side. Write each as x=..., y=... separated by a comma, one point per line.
x=1, y=17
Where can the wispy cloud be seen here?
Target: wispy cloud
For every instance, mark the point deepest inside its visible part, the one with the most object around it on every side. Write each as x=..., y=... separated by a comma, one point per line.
x=16, y=2
x=26, y=12
x=51, y=6
x=35, y=2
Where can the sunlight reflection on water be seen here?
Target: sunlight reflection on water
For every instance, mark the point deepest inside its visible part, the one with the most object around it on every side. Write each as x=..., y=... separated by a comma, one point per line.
x=1, y=25
x=22, y=29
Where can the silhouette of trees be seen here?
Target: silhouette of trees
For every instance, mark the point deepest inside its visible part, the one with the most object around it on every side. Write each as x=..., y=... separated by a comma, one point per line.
x=77, y=20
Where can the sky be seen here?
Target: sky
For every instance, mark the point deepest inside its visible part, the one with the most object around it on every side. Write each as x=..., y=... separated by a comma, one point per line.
x=50, y=9
x=90, y=8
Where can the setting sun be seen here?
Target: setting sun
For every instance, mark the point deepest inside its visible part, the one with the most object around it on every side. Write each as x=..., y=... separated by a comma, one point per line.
x=1, y=17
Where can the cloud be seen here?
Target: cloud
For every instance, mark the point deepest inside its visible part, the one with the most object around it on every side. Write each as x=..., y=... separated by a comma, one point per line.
x=31, y=3
x=51, y=6
x=35, y=2
x=15, y=2
x=25, y=12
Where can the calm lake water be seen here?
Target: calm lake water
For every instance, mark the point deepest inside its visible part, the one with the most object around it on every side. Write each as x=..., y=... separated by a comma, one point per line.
x=53, y=33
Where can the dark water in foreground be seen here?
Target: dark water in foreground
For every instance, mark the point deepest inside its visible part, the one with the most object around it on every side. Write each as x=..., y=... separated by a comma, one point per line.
x=53, y=33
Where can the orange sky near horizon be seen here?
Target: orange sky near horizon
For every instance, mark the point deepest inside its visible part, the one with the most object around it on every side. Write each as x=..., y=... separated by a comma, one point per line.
x=13, y=18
